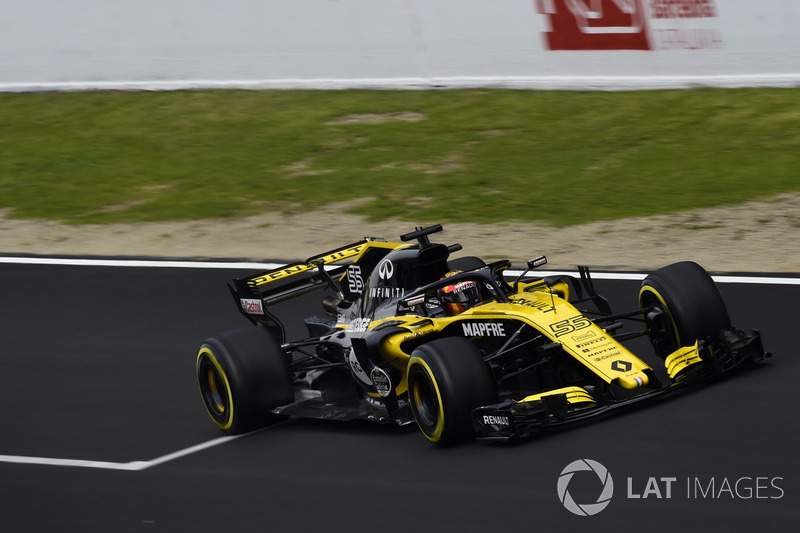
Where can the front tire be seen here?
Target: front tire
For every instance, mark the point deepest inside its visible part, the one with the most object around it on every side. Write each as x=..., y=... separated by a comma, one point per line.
x=243, y=375
x=447, y=379
x=685, y=305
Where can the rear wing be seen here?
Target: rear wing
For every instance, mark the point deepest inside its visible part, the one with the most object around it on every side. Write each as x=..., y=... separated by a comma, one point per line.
x=255, y=293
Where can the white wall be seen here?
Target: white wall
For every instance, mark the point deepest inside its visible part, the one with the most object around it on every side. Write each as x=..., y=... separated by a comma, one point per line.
x=74, y=44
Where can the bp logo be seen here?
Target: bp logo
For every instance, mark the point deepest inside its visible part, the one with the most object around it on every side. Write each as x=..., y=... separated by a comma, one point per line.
x=585, y=509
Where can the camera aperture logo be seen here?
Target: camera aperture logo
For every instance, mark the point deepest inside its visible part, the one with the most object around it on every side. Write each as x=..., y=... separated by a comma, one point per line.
x=742, y=488
x=585, y=509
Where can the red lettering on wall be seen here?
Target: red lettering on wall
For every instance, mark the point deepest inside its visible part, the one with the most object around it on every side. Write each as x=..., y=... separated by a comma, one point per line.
x=595, y=24
x=682, y=9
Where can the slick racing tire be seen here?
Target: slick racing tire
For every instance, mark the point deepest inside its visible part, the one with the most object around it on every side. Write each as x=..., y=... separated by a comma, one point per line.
x=686, y=306
x=447, y=379
x=243, y=375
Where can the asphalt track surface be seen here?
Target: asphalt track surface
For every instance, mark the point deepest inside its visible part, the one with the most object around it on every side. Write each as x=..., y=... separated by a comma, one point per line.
x=98, y=378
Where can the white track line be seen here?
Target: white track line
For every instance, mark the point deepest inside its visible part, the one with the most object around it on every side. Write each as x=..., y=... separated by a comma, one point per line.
x=105, y=465
x=135, y=263
x=633, y=276
x=142, y=263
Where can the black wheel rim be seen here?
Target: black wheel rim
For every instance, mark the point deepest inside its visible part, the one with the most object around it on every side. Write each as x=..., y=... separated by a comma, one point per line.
x=424, y=401
x=214, y=390
x=659, y=325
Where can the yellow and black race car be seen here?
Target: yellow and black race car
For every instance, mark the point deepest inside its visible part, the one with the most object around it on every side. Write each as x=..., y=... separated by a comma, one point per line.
x=413, y=334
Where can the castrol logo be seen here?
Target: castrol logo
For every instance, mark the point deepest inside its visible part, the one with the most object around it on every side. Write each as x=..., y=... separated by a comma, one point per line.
x=252, y=306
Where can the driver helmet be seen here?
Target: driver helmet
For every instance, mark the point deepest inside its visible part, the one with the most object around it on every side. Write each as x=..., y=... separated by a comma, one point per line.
x=460, y=296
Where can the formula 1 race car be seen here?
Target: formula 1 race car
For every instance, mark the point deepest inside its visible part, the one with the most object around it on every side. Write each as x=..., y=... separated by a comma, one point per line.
x=413, y=334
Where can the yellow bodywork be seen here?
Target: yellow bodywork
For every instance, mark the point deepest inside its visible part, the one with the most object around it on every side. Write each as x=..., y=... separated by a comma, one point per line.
x=549, y=314
x=392, y=346
x=575, y=396
x=580, y=337
x=352, y=251
x=681, y=359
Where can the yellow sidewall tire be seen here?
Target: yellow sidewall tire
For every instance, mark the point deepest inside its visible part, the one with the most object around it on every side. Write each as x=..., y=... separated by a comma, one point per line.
x=447, y=380
x=244, y=375
x=693, y=304
x=221, y=413
x=433, y=432
x=646, y=293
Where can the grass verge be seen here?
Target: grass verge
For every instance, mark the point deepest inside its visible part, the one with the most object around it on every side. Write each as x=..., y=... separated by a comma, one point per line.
x=462, y=155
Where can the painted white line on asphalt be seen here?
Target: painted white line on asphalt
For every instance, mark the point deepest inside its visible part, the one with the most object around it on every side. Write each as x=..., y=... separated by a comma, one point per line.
x=50, y=461
x=192, y=449
x=135, y=263
x=633, y=276
x=105, y=465
x=758, y=280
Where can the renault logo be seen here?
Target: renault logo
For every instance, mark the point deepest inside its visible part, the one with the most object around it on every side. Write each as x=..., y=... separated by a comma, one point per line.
x=621, y=366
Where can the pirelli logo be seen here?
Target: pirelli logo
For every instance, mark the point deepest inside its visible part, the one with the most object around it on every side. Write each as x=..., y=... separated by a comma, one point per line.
x=296, y=268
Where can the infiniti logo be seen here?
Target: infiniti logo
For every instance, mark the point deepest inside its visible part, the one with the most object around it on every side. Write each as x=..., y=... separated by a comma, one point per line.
x=386, y=269
x=585, y=509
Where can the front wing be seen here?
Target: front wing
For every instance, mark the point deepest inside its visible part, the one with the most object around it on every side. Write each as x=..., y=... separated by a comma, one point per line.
x=511, y=419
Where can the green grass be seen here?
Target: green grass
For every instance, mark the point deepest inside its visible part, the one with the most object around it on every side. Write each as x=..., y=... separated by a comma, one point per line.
x=476, y=155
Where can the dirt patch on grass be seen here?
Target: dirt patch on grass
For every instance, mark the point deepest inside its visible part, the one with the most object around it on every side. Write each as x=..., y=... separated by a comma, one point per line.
x=441, y=165
x=302, y=168
x=377, y=118
x=752, y=237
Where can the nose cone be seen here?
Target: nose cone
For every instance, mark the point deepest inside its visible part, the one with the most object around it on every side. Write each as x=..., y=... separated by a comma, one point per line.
x=634, y=380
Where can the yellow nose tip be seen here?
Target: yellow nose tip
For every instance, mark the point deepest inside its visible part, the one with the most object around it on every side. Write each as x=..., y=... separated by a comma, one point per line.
x=633, y=382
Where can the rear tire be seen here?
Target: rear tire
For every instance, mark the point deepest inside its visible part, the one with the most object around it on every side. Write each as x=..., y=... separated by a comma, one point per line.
x=447, y=380
x=686, y=306
x=243, y=375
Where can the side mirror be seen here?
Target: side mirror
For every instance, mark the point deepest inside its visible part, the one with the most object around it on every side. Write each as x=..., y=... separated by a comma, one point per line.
x=531, y=264
x=537, y=262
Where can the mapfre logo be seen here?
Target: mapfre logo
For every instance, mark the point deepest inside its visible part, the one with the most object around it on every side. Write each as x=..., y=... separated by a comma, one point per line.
x=629, y=24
